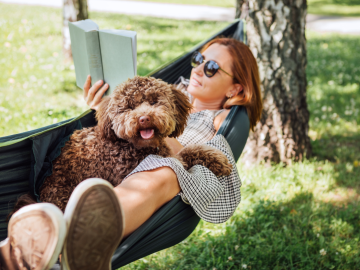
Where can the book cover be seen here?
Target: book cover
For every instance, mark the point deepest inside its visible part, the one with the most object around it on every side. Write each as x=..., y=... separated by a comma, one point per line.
x=108, y=55
x=119, y=62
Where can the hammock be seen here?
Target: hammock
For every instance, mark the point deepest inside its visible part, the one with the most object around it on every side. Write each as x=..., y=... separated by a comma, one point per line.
x=25, y=161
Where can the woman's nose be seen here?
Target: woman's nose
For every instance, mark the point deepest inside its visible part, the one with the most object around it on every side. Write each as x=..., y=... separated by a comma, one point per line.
x=199, y=70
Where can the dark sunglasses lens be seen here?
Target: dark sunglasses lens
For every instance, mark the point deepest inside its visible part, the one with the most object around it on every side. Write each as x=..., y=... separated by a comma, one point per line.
x=210, y=68
x=196, y=59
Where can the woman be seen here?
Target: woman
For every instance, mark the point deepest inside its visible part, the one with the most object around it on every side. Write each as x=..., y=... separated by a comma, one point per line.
x=213, y=91
x=223, y=75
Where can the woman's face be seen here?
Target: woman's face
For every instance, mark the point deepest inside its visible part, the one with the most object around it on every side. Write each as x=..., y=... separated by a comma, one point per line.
x=216, y=88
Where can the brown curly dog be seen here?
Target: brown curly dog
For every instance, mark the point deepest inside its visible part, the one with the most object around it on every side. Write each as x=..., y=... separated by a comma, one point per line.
x=132, y=124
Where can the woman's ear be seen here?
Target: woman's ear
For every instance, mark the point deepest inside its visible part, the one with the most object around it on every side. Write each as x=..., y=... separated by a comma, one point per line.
x=104, y=122
x=182, y=111
x=236, y=89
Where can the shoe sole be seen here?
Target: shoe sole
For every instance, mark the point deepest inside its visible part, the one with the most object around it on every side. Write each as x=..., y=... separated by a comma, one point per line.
x=37, y=233
x=5, y=262
x=95, y=226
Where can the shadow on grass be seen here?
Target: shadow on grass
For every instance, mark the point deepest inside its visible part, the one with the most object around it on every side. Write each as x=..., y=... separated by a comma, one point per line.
x=333, y=100
x=342, y=151
x=338, y=148
x=299, y=234
x=331, y=105
x=333, y=57
x=334, y=118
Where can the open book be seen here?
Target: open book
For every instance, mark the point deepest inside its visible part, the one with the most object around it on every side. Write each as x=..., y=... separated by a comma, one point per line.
x=108, y=55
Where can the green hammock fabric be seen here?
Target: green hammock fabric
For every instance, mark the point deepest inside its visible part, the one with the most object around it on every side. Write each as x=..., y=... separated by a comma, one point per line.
x=26, y=159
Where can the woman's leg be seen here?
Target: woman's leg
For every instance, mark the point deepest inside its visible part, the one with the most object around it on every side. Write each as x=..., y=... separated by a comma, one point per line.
x=140, y=195
x=143, y=193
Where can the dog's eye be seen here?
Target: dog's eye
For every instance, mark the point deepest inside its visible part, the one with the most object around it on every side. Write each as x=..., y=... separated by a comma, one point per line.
x=152, y=103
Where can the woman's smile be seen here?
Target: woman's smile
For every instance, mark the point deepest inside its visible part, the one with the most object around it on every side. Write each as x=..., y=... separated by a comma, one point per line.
x=195, y=82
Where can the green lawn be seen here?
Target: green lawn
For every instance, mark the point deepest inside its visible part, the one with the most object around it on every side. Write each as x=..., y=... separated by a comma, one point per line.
x=304, y=216
x=321, y=7
x=334, y=7
x=37, y=89
x=215, y=3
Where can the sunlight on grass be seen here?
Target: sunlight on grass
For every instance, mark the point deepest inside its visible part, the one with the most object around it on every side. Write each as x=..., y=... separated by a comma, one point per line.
x=304, y=216
x=321, y=7
x=334, y=7
x=285, y=220
x=215, y=3
x=37, y=89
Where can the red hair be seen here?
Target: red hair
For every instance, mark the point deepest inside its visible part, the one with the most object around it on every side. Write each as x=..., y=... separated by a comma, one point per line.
x=246, y=73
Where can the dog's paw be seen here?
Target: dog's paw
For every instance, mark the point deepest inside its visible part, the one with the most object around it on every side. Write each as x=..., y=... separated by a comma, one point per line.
x=210, y=157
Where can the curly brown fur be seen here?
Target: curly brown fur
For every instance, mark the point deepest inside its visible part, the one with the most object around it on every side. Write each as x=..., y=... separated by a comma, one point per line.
x=114, y=147
x=23, y=200
x=205, y=155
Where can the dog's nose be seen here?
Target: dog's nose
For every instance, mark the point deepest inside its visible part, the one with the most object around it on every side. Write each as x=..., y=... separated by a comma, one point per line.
x=144, y=119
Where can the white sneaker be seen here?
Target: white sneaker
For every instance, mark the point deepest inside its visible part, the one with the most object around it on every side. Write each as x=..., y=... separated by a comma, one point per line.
x=36, y=234
x=95, y=226
x=5, y=262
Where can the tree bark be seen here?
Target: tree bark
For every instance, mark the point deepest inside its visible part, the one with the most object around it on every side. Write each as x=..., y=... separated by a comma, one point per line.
x=73, y=10
x=276, y=36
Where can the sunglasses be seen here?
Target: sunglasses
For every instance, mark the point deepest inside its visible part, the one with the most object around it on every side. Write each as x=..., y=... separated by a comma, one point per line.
x=210, y=67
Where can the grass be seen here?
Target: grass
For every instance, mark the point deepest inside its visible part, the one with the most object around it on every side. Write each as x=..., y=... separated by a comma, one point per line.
x=215, y=3
x=37, y=89
x=334, y=7
x=320, y=7
x=304, y=216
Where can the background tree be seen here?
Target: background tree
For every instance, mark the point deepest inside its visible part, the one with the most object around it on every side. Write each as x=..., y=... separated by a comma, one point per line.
x=276, y=36
x=73, y=10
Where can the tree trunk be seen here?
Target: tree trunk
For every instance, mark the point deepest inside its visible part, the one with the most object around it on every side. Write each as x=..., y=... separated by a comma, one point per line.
x=276, y=36
x=73, y=10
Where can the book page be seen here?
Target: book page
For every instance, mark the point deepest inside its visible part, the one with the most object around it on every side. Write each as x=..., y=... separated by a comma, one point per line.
x=130, y=34
x=117, y=55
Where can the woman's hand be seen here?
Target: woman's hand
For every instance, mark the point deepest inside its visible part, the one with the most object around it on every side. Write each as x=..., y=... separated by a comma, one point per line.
x=93, y=94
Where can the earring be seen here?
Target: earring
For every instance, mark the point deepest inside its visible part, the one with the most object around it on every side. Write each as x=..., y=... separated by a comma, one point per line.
x=230, y=96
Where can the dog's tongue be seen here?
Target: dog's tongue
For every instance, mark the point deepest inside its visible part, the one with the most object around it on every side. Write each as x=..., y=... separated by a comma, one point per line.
x=147, y=133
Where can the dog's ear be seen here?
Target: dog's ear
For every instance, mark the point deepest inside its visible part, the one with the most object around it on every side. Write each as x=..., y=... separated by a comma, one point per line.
x=104, y=122
x=182, y=107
